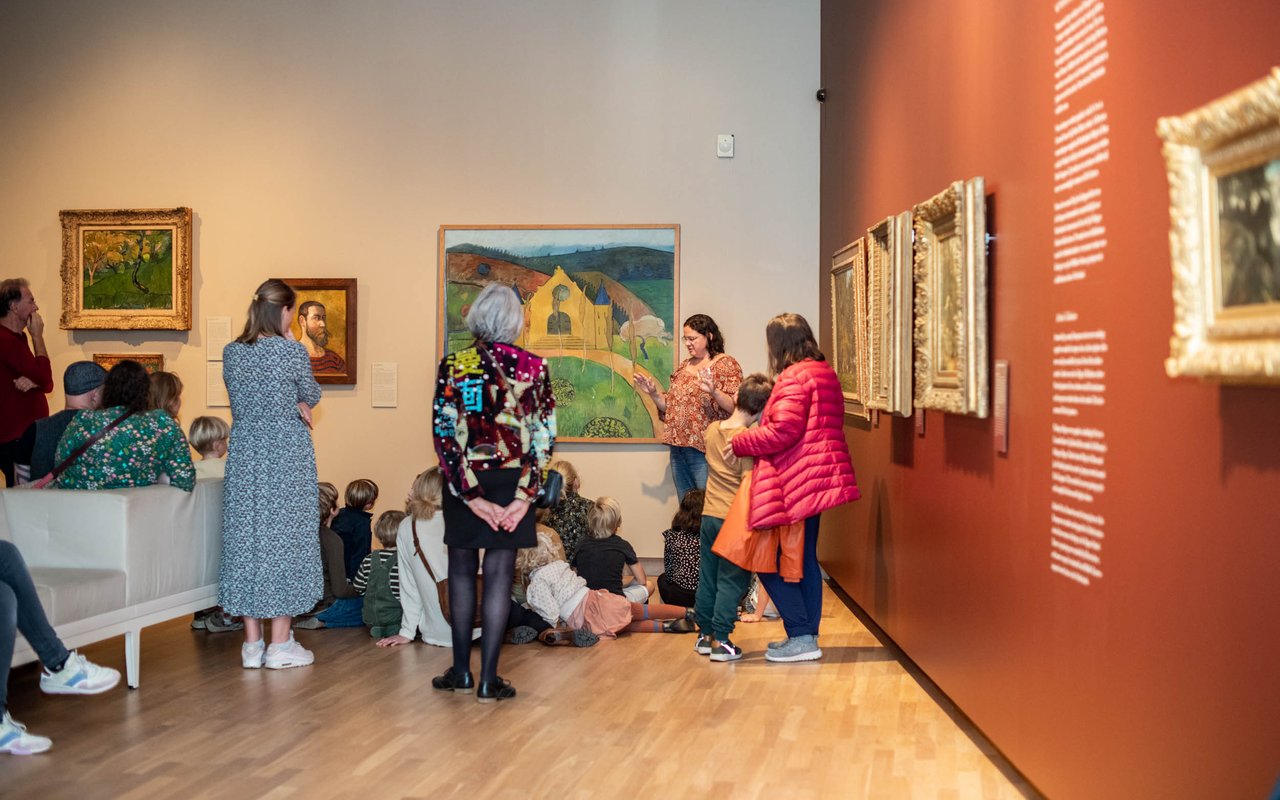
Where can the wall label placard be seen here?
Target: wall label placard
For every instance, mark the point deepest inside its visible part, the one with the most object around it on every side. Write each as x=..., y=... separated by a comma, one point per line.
x=1078, y=443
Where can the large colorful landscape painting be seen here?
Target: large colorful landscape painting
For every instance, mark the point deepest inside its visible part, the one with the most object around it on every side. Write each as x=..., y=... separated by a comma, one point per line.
x=600, y=304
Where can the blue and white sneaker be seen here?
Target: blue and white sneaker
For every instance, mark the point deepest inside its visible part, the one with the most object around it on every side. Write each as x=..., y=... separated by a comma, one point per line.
x=703, y=646
x=15, y=739
x=726, y=651
x=797, y=648
x=78, y=675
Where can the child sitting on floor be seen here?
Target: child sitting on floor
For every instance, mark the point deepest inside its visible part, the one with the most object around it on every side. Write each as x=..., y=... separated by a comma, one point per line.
x=523, y=623
x=208, y=437
x=569, y=517
x=424, y=561
x=522, y=574
x=603, y=555
x=341, y=604
x=557, y=593
x=379, y=579
x=678, y=582
x=354, y=523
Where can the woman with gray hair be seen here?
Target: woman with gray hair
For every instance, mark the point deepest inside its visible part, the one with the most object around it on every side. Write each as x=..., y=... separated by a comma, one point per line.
x=494, y=428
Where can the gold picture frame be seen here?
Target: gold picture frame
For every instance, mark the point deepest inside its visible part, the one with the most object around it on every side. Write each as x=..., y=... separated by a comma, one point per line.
x=849, y=325
x=154, y=362
x=126, y=269
x=951, y=300
x=1223, y=163
x=889, y=315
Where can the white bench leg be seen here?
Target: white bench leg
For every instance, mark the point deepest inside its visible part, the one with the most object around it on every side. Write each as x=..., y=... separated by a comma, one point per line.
x=132, y=655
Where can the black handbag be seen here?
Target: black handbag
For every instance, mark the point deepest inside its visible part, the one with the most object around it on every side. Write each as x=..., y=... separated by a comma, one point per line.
x=552, y=488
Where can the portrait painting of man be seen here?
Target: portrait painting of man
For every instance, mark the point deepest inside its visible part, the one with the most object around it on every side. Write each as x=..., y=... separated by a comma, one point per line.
x=324, y=321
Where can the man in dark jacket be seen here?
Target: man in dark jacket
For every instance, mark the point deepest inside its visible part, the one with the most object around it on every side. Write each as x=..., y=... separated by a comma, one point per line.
x=82, y=382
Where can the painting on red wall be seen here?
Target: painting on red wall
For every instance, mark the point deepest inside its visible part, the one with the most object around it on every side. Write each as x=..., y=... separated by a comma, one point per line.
x=1223, y=163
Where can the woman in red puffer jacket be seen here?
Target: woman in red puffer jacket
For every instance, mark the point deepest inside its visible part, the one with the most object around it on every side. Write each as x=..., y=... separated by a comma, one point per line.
x=802, y=468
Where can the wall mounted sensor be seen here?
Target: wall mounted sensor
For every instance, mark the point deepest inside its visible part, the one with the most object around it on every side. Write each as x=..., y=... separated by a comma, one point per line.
x=724, y=145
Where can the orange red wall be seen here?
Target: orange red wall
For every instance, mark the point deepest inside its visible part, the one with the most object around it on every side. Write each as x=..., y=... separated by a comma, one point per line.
x=1159, y=679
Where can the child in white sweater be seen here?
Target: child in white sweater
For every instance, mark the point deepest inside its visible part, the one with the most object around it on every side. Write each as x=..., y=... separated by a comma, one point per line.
x=559, y=595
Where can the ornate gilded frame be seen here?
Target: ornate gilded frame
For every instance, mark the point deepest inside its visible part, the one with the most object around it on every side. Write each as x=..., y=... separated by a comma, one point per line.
x=889, y=315
x=136, y=307
x=154, y=362
x=1232, y=136
x=951, y=300
x=849, y=325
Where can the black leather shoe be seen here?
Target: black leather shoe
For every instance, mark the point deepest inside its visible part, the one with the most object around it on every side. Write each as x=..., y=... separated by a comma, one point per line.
x=493, y=691
x=451, y=681
x=682, y=625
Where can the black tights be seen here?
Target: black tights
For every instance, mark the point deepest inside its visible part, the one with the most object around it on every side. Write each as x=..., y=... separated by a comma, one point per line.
x=499, y=571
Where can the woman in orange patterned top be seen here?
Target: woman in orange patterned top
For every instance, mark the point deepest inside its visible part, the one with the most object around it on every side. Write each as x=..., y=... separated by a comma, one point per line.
x=702, y=390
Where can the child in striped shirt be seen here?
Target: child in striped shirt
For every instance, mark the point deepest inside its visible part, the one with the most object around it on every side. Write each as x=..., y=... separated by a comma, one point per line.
x=379, y=579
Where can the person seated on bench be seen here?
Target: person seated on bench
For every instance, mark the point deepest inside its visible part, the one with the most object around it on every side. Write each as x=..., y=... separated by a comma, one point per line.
x=65, y=672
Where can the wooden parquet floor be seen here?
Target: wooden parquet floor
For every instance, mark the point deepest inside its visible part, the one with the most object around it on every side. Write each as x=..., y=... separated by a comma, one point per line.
x=641, y=716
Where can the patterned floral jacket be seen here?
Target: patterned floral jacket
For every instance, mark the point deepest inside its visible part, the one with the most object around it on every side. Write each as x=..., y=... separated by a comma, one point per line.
x=484, y=421
x=144, y=447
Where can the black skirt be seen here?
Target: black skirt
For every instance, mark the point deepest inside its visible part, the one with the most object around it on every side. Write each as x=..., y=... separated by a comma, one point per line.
x=464, y=529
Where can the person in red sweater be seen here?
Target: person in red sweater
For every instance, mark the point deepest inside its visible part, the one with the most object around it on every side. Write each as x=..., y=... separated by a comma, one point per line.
x=802, y=468
x=25, y=374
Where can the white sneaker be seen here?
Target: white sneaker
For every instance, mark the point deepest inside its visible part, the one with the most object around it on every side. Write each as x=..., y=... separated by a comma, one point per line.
x=289, y=654
x=78, y=675
x=15, y=739
x=251, y=654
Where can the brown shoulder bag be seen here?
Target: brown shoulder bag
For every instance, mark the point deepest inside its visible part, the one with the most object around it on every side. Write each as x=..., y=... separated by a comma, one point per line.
x=442, y=586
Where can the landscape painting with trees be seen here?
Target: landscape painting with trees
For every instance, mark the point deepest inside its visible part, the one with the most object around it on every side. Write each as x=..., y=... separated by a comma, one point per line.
x=600, y=305
x=127, y=269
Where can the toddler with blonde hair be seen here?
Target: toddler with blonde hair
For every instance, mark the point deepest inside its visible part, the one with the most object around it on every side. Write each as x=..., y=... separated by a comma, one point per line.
x=208, y=436
x=604, y=555
x=560, y=596
x=379, y=579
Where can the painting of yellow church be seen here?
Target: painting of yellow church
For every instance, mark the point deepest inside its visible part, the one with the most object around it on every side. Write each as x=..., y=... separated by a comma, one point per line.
x=599, y=305
x=560, y=316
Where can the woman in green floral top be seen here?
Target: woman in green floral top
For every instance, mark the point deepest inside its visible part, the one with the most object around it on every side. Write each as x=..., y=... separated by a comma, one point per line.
x=145, y=446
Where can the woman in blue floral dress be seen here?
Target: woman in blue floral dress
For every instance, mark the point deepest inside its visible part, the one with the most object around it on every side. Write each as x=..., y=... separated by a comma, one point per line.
x=270, y=509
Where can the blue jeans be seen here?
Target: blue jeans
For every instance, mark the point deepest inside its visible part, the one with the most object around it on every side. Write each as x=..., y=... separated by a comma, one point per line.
x=688, y=468
x=721, y=585
x=346, y=612
x=20, y=610
x=799, y=604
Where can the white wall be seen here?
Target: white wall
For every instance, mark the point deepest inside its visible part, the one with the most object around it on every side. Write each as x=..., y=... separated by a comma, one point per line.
x=331, y=139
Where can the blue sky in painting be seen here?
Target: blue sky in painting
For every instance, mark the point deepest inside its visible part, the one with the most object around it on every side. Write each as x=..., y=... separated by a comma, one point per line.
x=550, y=242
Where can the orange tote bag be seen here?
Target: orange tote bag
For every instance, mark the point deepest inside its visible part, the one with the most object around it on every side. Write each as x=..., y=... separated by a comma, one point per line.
x=754, y=551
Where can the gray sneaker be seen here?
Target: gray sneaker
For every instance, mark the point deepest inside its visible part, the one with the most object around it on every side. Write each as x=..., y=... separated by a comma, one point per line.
x=521, y=634
x=797, y=648
x=776, y=645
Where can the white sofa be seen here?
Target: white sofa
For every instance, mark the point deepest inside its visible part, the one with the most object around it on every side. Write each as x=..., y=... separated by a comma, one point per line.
x=107, y=563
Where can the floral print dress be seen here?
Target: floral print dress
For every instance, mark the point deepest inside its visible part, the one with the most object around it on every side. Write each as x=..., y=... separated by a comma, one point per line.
x=270, y=505
x=137, y=452
x=568, y=518
x=690, y=410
